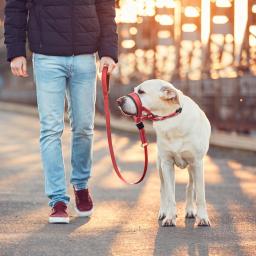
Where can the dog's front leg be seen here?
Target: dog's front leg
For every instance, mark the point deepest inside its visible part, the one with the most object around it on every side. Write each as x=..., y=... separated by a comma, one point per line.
x=168, y=172
x=162, y=210
x=190, y=209
x=198, y=176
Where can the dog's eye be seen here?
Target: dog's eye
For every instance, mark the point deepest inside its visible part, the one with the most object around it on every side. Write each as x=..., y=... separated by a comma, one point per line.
x=140, y=91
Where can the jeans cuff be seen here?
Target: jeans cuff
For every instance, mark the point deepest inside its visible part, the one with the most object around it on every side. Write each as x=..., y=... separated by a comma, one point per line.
x=80, y=186
x=64, y=199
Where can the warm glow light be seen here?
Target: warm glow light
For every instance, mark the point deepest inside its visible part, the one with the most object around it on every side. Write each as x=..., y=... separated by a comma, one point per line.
x=124, y=33
x=244, y=175
x=133, y=31
x=149, y=8
x=252, y=41
x=241, y=17
x=150, y=12
x=191, y=11
x=223, y=3
x=139, y=53
x=140, y=20
x=254, y=8
x=253, y=30
x=164, y=19
x=165, y=3
x=170, y=4
x=128, y=44
x=150, y=54
x=220, y=19
x=164, y=34
x=229, y=38
x=126, y=14
x=134, y=11
x=189, y=27
x=205, y=22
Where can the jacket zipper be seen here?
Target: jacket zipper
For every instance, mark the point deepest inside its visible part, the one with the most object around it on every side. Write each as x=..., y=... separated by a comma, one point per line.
x=72, y=26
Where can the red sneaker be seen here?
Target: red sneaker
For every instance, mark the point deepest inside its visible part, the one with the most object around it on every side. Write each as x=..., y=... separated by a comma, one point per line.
x=84, y=204
x=59, y=213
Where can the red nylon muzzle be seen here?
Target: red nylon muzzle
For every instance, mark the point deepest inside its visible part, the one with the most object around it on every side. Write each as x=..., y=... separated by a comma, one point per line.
x=139, y=107
x=139, y=117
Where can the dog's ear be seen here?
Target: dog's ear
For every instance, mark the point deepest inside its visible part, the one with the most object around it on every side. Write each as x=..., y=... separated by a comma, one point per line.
x=167, y=93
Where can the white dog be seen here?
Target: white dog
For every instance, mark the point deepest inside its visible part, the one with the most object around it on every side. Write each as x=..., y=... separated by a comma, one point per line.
x=182, y=140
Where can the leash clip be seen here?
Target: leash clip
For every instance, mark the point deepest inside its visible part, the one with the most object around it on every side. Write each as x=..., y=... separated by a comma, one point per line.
x=140, y=125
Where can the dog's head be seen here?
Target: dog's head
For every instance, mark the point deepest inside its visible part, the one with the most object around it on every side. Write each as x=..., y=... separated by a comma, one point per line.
x=156, y=95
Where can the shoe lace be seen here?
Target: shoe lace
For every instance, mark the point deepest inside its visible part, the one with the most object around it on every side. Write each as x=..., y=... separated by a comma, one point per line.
x=59, y=207
x=83, y=196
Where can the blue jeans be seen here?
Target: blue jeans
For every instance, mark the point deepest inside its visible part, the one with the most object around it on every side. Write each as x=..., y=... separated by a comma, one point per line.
x=75, y=77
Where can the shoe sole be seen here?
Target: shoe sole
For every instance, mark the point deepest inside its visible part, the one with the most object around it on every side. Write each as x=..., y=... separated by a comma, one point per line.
x=83, y=214
x=64, y=220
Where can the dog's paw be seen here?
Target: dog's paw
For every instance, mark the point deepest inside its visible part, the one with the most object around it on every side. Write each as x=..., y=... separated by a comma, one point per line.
x=169, y=222
x=205, y=222
x=190, y=213
x=202, y=218
x=161, y=214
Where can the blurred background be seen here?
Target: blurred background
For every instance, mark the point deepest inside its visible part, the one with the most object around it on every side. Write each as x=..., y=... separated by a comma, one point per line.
x=207, y=48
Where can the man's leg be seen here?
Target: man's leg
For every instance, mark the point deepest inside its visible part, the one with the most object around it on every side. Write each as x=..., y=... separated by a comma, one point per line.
x=81, y=96
x=50, y=79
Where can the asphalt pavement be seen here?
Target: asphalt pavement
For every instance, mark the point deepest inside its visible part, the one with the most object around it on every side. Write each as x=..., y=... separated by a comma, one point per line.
x=125, y=217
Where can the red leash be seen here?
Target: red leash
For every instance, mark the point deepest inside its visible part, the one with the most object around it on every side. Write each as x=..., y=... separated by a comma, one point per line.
x=105, y=91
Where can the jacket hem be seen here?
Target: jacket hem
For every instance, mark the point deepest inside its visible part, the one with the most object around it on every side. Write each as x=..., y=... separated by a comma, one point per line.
x=57, y=51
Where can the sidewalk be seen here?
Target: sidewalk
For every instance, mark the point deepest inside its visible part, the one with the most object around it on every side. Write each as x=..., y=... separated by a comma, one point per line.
x=218, y=138
x=125, y=217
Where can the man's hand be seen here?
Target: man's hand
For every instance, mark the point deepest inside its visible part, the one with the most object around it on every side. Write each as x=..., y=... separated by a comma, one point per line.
x=19, y=66
x=109, y=62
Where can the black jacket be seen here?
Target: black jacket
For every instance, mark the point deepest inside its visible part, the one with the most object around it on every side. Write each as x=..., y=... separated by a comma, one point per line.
x=61, y=27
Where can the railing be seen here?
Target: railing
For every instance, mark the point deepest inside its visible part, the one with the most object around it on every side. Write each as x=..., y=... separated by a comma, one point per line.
x=194, y=39
x=206, y=48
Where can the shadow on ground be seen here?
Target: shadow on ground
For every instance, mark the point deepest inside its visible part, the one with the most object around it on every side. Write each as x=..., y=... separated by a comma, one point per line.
x=125, y=218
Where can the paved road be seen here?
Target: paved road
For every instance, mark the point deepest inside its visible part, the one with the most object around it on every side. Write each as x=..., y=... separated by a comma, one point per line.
x=125, y=218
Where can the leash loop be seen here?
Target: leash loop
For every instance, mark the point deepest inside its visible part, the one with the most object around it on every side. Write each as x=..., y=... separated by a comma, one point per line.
x=140, y=125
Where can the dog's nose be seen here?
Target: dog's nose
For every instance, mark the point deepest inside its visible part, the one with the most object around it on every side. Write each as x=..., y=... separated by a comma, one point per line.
x=120, y=101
